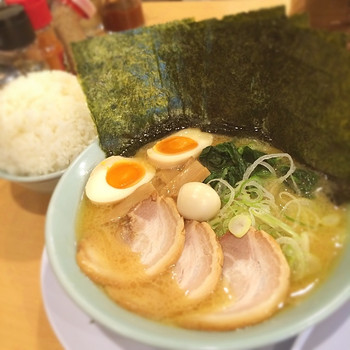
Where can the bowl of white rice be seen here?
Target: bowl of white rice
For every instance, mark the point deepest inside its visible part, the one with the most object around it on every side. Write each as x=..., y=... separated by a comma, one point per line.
x=45, y=124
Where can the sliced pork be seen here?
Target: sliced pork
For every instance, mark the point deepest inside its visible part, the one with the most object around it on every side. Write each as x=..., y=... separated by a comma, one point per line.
x=255, y=279
x=199, y=267
x=105, y=259
x=142, y=244
x=181, y=288
x=155, y=230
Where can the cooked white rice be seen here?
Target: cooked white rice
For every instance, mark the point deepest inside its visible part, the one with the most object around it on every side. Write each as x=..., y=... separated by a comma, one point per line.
x=44, y=123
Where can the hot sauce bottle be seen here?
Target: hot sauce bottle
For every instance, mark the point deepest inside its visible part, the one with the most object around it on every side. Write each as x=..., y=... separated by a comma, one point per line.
x=118, y=15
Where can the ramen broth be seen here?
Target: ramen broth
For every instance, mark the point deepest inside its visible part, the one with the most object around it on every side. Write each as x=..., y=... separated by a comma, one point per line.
x=161, y=299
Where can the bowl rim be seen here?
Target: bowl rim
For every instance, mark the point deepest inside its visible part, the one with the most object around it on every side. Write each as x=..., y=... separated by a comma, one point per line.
x=138, y=328
x=31, y=178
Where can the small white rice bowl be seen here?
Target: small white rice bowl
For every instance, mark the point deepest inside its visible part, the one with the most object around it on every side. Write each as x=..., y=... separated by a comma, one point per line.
x=44, y=124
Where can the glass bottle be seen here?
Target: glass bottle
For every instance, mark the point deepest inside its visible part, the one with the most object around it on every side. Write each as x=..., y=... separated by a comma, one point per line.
x=329, y=14
x=19, y=51
x=118, y=15
x=39, y=14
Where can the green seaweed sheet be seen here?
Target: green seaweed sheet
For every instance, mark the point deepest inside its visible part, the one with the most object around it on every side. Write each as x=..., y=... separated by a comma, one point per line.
x=257, y=73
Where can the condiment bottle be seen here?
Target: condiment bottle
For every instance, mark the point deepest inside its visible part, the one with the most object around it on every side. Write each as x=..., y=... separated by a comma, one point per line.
x=118, y=15
x=40, y=17
x=329, y=14
x=19, y=51
x=75, y=21
x=85, y=8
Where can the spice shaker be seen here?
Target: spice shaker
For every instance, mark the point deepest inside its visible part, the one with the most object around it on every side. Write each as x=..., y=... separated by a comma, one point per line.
x=19, y=51
x=118, y=15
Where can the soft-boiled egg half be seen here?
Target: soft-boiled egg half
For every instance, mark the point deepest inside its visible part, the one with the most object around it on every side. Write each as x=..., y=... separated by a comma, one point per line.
x=175, y=149
x=116, y=177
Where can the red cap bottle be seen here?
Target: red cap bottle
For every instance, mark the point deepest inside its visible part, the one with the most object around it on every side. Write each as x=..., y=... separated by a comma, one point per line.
x=38, y=12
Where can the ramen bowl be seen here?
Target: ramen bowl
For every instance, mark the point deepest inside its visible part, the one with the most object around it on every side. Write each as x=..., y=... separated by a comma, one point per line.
x=61, y=249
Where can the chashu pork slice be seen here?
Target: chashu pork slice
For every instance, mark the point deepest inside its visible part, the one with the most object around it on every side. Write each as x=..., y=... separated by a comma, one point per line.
x=146, y=242
x=155, y=230
x=199, y=267
x=256, y=274
x=182, y=287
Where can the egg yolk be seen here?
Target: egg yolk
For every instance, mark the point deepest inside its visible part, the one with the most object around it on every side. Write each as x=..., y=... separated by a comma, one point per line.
x=176, y=145
x=125, y=174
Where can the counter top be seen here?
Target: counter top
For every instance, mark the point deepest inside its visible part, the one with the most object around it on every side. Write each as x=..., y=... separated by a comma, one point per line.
x=23, y=321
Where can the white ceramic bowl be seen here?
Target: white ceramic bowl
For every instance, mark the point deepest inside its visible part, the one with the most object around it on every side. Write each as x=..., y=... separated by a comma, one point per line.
x=39, y=183
x=61, y=248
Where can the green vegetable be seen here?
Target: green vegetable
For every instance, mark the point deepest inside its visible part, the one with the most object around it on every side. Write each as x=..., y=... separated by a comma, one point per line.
x=305, y=180
x=223, y=161
x=227, y=162
x=261, y=202
x=250, y=199
x=239, y=225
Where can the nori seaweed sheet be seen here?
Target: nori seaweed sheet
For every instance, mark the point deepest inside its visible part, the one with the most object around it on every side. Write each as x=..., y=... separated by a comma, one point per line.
x=257, y=73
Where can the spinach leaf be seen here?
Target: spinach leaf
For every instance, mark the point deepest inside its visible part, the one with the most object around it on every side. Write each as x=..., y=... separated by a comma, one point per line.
x=305, y=180
x=250, y=155
x=224, y=161
x=228, y=162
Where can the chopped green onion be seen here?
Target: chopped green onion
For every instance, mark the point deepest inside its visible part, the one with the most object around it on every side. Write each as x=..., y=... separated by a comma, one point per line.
x=265, y=204
x=239, y=225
